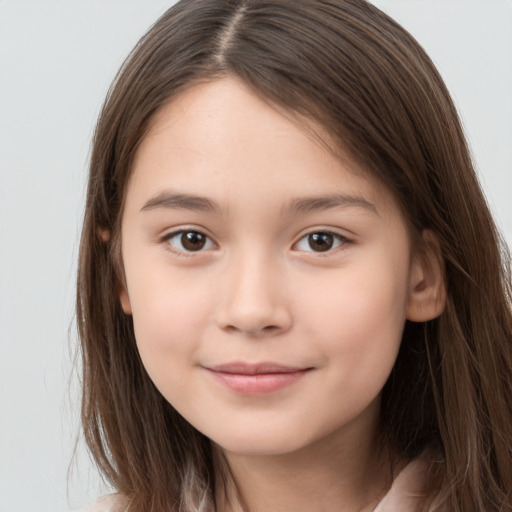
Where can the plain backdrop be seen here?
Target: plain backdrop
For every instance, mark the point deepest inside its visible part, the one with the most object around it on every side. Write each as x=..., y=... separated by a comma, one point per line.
x=57, y=59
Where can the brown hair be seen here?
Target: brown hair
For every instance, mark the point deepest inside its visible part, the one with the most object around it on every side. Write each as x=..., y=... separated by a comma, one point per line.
x=357, y=73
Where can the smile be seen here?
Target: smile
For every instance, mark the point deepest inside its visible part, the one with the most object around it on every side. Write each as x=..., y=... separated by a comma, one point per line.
x=256, y=379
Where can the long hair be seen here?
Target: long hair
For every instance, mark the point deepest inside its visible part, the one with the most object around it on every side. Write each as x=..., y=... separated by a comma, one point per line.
x=350, y=68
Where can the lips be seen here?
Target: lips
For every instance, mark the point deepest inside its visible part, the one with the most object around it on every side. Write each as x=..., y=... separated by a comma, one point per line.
x=256, y=379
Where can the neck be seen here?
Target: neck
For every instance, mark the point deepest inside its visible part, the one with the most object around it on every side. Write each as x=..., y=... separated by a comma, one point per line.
x=327, y=476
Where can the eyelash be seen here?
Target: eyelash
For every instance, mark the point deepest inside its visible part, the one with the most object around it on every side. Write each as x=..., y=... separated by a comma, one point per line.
x=337, y=241
x=183, y=251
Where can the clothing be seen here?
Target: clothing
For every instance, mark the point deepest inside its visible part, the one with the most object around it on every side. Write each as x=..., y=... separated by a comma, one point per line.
x=401, y=497
x=406, y=490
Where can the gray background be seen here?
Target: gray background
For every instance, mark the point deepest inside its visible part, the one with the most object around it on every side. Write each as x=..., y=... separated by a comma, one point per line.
x=57, y=59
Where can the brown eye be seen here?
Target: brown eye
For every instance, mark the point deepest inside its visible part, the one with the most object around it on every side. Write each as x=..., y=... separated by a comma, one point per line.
x=192, y=240
x=321, y=242
x=189, y=241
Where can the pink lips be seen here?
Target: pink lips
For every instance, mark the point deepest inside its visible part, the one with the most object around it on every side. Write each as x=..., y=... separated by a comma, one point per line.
x=255, y=379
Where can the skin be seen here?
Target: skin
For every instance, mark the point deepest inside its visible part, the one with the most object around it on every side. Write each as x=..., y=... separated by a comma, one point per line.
x=259, y=290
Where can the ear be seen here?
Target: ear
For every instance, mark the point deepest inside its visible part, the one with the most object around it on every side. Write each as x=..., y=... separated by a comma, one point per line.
x=124, y=299
x=104, y=234
x=427, y=288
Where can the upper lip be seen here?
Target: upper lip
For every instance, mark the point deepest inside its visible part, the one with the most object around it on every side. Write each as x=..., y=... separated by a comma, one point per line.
x=254, y=368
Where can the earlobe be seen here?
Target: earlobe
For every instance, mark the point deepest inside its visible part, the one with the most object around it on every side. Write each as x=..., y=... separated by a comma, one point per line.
x=125, y=301
x=104, y=234
x=427, y=287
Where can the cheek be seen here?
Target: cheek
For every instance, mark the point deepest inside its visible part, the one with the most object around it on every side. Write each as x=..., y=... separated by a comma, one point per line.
x=169, y=315
x=360, y=318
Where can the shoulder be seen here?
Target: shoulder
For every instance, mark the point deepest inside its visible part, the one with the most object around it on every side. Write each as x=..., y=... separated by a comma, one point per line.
x=110, y=503
x=407, y=493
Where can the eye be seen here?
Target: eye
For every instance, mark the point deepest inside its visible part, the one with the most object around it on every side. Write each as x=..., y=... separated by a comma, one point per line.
x=189, y=241
x=320, y=241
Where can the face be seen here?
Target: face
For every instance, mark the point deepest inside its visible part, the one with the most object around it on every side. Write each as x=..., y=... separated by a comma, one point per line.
x=269, y=283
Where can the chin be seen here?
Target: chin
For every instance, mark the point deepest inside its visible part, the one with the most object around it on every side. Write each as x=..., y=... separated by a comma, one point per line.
x=261, y=444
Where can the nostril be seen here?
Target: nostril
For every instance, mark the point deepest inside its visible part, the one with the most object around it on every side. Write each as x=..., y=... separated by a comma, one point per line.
x=268, y=329
x=254, y=318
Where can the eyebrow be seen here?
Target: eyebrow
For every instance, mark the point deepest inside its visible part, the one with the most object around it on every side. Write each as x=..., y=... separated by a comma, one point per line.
x=301, y=204
x=320, y=203
x=181, y=202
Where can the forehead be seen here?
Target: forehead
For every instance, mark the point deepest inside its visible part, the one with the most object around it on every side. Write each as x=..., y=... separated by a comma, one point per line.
x=221, y=135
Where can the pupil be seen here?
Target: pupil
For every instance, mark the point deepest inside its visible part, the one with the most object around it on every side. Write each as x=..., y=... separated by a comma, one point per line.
x=192, y=240
x=320, y=242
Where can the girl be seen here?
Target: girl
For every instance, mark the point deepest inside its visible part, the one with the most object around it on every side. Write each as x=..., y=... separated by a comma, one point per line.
x=291, y=293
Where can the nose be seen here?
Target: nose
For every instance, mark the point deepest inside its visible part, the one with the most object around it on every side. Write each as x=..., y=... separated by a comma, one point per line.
x=254, y=301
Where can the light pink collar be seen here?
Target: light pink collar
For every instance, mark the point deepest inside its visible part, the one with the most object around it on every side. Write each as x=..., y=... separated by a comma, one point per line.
x=406, y=491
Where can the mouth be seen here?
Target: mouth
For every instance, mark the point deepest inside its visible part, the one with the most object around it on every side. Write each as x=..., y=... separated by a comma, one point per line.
x=256, y=379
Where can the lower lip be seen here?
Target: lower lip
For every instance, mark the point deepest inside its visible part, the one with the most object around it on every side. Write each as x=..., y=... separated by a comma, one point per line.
x=259, y=384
